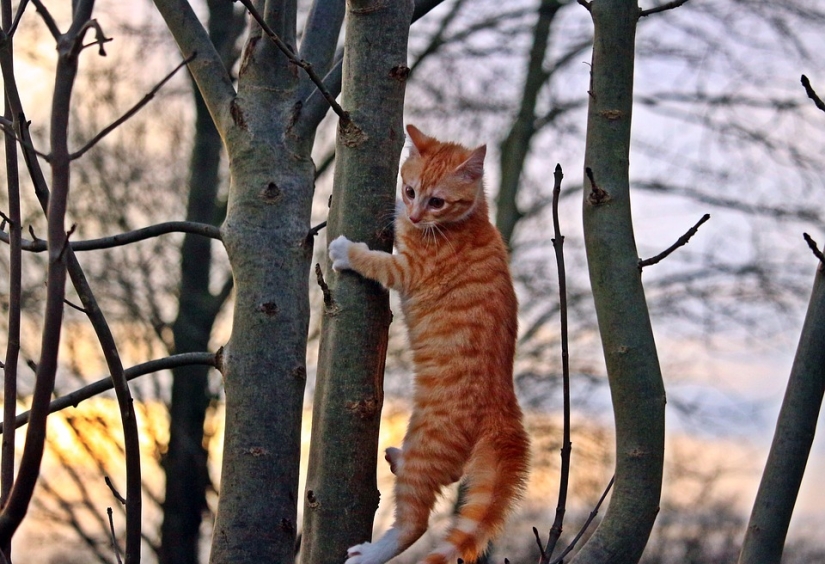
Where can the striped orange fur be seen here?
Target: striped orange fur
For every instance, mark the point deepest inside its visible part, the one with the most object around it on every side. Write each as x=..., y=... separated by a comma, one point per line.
x=451, y=270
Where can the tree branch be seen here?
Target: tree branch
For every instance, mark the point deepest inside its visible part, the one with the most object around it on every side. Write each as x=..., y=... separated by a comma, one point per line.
x=589, y=520
x=74, y=398
x=47, y=19
x=566, y=448
x=205, y=229
x=15, y=280
x=812, y=244
x=795, y=428
x=293, y=58
x=664, y=7
x=133, y=110
x=208, y=70
x=812, y=94
x=681, y=241
x=314, y=111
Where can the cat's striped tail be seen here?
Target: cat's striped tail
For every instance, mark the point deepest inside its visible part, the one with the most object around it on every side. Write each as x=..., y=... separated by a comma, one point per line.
x=495, y=477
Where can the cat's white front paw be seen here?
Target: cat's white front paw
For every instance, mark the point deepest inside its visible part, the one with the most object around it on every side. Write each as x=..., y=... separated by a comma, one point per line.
x=374, y=553
x=339, y=253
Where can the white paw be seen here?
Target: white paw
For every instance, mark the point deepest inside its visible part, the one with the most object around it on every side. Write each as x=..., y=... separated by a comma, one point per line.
x=339, y=253
x=355, y=553
x=374, y=553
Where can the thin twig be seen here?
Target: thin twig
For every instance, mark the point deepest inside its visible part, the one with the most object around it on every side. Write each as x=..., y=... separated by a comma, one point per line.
x=100, y=37
x=74, y=306
x=662, y=8
x=47, y=19
x=315, y=230
x=538, y=542
x=73, y=399
x=115, y=547
x=205, y=229
x=558, y=247
x=294, y=59
x=20, y=9
x=133, y=110
x=681, y=241
x=812, y=94
x=114, y=491
x=812, y=244
x=589, y=520
x=8, y=129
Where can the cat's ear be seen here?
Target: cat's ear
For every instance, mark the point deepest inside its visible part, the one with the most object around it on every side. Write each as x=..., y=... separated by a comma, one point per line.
x=421, y=142
x=473, y=168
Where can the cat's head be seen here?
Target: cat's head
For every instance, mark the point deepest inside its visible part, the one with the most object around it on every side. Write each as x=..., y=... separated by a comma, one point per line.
x=441, y=182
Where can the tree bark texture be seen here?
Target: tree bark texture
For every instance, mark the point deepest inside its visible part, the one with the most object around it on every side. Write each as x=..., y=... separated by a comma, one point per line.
x=341, y=493
x=185, y=462
x=633, y=369
x=795, y=428
x=266, y=237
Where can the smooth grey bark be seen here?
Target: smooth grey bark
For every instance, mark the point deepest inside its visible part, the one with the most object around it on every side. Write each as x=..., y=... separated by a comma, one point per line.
x=795, y=429
x=185, y=462
x=341, y=492
x=265, y=235
x=633, y=369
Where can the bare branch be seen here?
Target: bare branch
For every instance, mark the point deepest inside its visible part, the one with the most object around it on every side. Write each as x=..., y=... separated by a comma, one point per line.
x=205, y=229
x=566, y=448
x=589, y=520
x=15, y=268
x=293, y=58
x=133, y=110
x=315, y=230
x=662, y=8
x=47, y=18
x=538, y=542
x=114, y=491
x=20, y=9
x=115, y=547
x=681, y=241
x=8, y=129
x=100, y=37
x=812, y=244
x=812, y=94
x=73, y=399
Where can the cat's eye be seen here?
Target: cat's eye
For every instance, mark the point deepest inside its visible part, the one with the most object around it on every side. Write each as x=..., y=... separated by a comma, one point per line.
x=436, y=203
x=409, y=192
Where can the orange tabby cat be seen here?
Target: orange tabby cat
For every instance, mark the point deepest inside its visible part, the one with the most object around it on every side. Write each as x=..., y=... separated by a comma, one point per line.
x=460, y=309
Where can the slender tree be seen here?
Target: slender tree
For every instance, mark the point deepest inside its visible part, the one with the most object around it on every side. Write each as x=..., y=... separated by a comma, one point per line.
x=636, y=385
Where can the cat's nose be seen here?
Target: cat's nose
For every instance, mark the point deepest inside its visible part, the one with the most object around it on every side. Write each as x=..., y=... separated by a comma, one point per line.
x=415, y=219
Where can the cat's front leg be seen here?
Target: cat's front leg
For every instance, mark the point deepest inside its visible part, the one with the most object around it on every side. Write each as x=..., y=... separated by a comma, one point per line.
x=339, y=252
x=387, y=269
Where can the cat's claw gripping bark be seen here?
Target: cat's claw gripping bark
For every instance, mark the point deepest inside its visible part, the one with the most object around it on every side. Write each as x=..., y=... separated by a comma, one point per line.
x=339, y=253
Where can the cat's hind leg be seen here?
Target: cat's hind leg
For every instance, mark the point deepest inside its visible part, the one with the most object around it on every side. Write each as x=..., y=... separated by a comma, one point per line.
x=394, y=458
x=429, y=461
x=495, y=477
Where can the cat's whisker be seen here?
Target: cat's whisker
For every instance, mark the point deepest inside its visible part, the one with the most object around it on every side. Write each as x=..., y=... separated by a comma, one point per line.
x=443, y=234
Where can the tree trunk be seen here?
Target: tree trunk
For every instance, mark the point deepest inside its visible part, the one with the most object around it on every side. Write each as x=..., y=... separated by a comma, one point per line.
x=185, y=462
x=632, y=365
x=795, y=428
x=515, y=147
x=341, y=493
